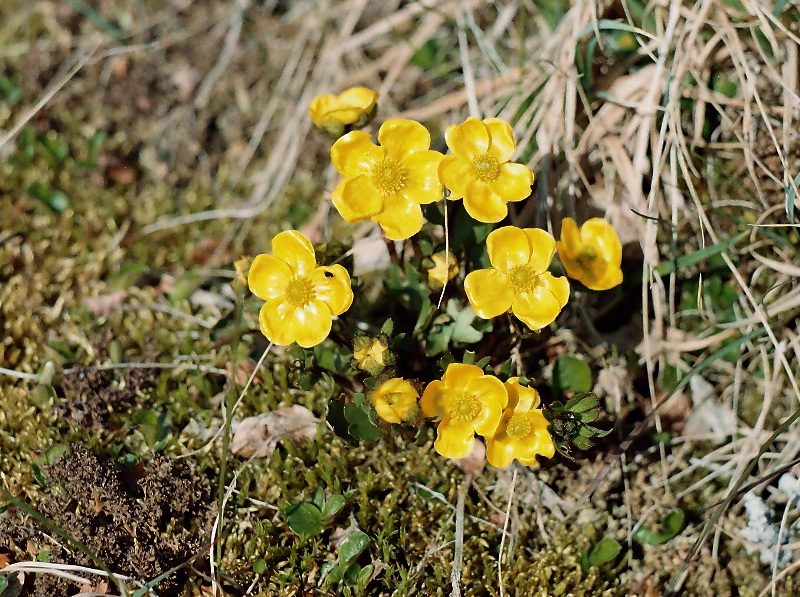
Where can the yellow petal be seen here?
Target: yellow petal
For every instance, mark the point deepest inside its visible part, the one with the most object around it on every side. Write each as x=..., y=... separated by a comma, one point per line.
x=499, y=452
x=432, y=397
x=536, y=309
x=454, y=439
x=401, y=138
x=357, y=199
x=268, y=277
x=543, y=247
x=600, y=233
x=521, y=398
x=355, y=154
x=312, y=323
x=509, y=247
x=492, y=394
x=362, y=98
x=422, y=181
x=400, y=218
x=569, y=244
x=296, y=250
x=513, y=183
x=468, y=140
x=488, y=292
x=503, y=143
x=458, y=375
x=456, y=173
x=319, y=107
x=611, y=277
x=274, y=320
x=332, y=286
x=558, y=286
x=483, y=204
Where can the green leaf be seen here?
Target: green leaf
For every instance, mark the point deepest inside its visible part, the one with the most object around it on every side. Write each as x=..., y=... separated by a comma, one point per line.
x=463, y=332
x=387, y=327
x=580, y=403
x=671, y=525
x=39, y=475
x=355, y=543
x=10, y=90
x=606, y=550
x=570, y=373
x=333, y=506
x=426, y=55
x=790, y=198
x=319, y=498
x=305, y=519
x=3, y=583
x=684, y=261
x=185, y=285
x=362, y=418
x=57, y=148
x=55, y=200
x=259, y=567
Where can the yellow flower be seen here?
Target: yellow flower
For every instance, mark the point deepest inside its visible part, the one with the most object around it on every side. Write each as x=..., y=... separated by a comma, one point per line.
x=301, y=296
x=387, y=183
x=522, y=433
x=372, y=354
x=467, y=402
x=442, y=270
x=479, y=169
x=353, y=108
x=518, y=279
x=395, y=400
x=591, y=255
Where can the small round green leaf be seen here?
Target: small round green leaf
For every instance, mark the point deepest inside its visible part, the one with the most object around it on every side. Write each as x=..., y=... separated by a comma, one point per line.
x=352, y=547
x=305, y=519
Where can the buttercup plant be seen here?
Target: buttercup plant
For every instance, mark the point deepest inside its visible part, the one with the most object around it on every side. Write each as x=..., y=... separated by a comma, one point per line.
x=389, y=183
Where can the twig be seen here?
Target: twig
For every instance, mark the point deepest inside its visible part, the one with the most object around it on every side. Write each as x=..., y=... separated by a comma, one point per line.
x=458, y=555
x=503, y=537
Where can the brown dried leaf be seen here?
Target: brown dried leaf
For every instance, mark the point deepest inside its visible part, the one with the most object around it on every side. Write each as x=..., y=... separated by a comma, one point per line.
x=4, y=561
x=474, y=463
x=244, y=369
x=258, y=436
x=105, y=304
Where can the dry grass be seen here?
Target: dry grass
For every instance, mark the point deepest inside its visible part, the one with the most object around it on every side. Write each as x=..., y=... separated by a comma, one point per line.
x=654, y=144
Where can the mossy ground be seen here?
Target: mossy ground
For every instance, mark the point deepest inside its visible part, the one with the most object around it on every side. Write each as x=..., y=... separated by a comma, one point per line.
x=165, y=123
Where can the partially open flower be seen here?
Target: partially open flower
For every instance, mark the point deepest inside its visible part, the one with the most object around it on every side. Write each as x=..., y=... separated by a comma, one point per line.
x=395, y=401
x=388, y=183
x=353, y=108
x=518, y=279
x=301, y=297
x=522, y=432
x=592, y=255
x=443, y=269
x=372, y=354
x=479, y=169
x=466, y=402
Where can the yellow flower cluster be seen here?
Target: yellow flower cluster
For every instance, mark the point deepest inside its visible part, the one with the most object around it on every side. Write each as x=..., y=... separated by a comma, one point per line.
x=466, y=402
x=388, y=183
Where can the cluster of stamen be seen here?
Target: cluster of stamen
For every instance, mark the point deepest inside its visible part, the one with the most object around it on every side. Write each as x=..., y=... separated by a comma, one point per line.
x=519, y=426
x=586, y=257
x=523, y=279
x=466, y=407
x=389, y=176
x=300, y=292
x=486, y=167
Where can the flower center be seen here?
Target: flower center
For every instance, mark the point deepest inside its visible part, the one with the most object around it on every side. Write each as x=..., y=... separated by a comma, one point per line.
x=466, y=407
x=519, y=426
x=486, y=167
x=587, y=256
x=300, y=292
x=523, y=279
x=389, y=176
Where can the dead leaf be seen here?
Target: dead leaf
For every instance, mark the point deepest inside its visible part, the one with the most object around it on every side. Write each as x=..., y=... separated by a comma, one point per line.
x=212, y=249
x=4, y=561
x=105, y=304
x=339, y=534
x=244, y=369
x=474, y=463
x=100, y=588
x=258, y=436
x=370, y=254
x=185, y=79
